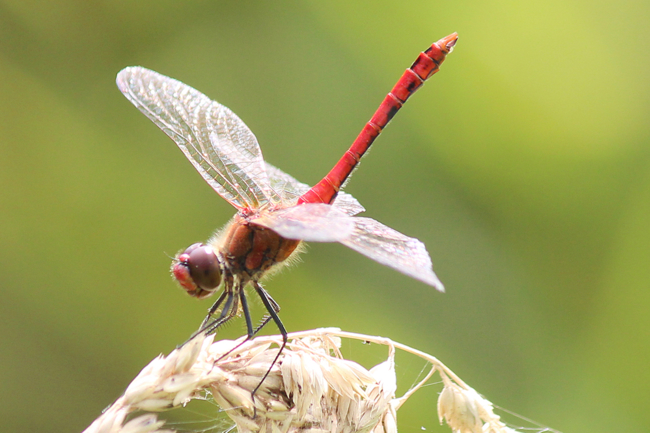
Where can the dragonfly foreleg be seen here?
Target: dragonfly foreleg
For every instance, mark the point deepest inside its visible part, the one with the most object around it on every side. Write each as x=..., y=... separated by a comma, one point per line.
x=228, y=312
x=212, y=309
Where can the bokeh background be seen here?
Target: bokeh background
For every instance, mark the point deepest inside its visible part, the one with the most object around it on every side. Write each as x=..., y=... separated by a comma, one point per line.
x=524, y=166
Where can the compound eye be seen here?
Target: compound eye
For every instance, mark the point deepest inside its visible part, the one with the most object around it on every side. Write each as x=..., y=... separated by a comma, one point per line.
x=204, y=266
x=185, y=255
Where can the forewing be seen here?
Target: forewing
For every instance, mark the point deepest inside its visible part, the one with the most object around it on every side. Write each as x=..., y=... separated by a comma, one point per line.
x=312, y=222
x=391, y=248
x=288, y=189
x=217, y=142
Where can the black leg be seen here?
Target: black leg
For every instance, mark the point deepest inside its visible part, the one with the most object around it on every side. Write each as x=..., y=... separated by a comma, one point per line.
x=228, y=287
x=249, y=323
x=266, y=319
x=214, y=308
x=275, y=305
x=272, y=307
x=247, y=315
x=228, y=312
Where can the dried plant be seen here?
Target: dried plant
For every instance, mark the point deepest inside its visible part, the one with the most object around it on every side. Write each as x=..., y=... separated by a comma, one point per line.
x=311, y=388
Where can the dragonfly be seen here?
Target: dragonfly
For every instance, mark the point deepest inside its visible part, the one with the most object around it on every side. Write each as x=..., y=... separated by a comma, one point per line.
x=275, y=212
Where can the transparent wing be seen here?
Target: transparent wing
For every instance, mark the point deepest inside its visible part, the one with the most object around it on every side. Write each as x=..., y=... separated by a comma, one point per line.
x=348, y=204
x=288, y=190
x=219, y=145
x=285, y=187
x=313, y=222
x=391, y=248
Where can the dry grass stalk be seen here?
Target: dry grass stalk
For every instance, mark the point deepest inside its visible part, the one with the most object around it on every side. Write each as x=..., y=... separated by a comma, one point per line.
x=310, y=389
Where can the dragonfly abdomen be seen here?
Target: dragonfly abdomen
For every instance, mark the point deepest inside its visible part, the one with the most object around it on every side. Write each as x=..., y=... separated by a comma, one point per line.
x=427, y=64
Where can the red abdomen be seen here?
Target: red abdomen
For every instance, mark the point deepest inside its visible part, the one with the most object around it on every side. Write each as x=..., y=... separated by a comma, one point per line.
x=424, y=67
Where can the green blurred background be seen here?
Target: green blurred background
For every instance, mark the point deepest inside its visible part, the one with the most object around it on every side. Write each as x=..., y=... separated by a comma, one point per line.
x=523, y=166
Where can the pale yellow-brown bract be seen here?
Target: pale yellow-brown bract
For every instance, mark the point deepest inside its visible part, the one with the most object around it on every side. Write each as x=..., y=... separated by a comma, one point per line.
x=311, y=388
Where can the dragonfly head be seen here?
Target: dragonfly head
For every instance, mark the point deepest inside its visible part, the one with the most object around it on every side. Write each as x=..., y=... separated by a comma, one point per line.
x=197, y=270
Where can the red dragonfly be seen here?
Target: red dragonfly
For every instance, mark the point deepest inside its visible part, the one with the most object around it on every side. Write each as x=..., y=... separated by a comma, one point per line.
x=275, y=212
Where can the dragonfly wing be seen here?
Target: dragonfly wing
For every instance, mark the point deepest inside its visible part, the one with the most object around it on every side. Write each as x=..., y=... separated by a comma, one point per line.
x=285, y=186
x=348, y=204
x=391, y=248
x=217, y=142
x=288, y=189
x=312, y=222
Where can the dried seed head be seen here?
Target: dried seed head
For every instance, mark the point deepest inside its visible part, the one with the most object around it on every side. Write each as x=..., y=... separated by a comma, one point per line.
x=310, y=388
x=459, y=409
x=466, y=411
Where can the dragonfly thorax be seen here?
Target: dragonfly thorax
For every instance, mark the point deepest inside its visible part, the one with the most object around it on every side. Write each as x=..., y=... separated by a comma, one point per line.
x=251, y=250
x=243, y=249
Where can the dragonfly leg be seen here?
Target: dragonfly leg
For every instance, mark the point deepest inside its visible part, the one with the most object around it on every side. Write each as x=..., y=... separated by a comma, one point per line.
x=267, y=318
x=249, y=325
x=212, y=309
x=251, y=332
x=275, y=305
x=228, y=311
x=272, y=307
x=247, y=315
